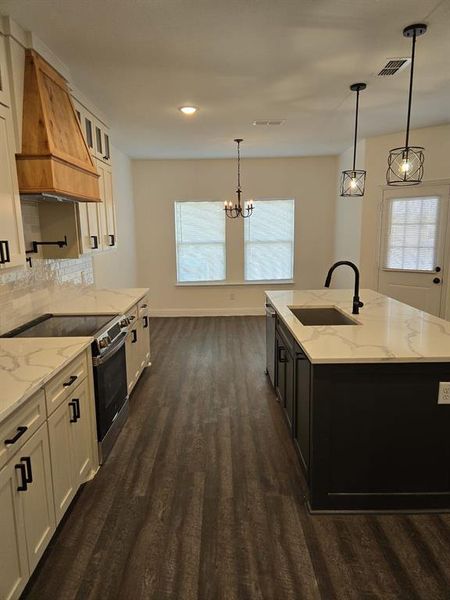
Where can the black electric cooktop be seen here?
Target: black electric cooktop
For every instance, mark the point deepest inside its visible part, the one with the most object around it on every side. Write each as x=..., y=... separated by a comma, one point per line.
x=61, y=326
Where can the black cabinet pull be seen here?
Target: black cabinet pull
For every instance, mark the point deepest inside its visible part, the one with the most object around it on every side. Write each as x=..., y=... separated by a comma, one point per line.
x=438, y=269
x=22, y=487
x=20, y=431
x=144, y=306
x=26, y=460
x=134, y=334
x=282, y=359
x=72, y=378
x=112, y=239
x=74, y=417
x=436, y=280
x=95, y=244
x=5, y=256
x=145, y=322
x=77, y=406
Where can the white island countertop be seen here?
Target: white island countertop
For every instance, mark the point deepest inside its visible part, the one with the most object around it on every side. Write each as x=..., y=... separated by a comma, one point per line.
x=388, y=330
x=26, y=364
x=99, y=301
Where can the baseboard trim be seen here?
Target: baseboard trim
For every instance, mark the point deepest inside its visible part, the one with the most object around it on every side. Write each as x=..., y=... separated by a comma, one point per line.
x=207, y=312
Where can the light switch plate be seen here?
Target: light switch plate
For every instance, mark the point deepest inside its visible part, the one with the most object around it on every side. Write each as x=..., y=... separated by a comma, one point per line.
x=444, y=392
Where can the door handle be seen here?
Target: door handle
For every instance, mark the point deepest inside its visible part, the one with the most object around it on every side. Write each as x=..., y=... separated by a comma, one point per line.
x=112, y=239
x=77, y=406
x=134, y=334
x=436, y=280
x=5, y=256
x=145, y=322
x=95, y=244
x=26, y=460
x=22, y=487
x=74, y=417
x=282, y=359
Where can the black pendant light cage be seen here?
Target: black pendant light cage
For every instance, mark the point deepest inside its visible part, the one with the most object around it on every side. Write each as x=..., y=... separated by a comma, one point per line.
x=353, y=181
x=405, y=164
x=236, y=210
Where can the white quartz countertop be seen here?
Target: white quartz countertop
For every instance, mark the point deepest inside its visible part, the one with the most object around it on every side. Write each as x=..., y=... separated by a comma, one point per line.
x=388, y=330
x=100, y=302
x=26, y=364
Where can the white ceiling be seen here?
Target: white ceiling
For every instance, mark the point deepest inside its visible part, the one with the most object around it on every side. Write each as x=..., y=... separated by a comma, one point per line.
x=241, y=60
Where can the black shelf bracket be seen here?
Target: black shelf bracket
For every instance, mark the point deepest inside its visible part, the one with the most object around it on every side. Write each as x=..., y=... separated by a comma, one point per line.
x=35, y=245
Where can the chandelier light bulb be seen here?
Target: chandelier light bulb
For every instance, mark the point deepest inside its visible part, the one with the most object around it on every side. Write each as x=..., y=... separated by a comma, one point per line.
x=406, y=166
x=353, y=183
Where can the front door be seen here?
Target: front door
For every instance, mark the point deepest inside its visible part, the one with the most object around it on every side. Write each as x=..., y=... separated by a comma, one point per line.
x=413, y=243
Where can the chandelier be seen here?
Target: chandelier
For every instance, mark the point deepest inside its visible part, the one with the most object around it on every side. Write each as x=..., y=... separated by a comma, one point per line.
x=236, y=210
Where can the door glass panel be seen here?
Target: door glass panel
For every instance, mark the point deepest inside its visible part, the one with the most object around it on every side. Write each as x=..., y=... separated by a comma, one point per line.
x=412, y=234
x=98, y=134
x=89, y=133
x=107, y=154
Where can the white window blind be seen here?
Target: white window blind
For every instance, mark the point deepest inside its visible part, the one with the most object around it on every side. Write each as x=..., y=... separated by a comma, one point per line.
x=269, y=241
x=412, y=234
x=200, y=241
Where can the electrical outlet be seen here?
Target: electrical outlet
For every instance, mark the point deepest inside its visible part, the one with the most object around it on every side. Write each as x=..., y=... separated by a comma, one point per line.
x=444, y=392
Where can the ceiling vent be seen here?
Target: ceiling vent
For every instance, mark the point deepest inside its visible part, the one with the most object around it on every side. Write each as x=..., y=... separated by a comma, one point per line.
x=393, y=66
x=269, y=122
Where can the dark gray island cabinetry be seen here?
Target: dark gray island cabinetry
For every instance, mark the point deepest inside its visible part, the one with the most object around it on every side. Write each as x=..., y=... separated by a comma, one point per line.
x=371, y=435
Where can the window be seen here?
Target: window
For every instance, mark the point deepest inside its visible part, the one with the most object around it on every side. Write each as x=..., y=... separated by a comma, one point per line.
x=269, y=241
x=412, y=234
x=200, y=241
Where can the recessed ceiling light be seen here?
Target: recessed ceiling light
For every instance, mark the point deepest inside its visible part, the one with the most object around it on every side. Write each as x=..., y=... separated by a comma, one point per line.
x=188, y=110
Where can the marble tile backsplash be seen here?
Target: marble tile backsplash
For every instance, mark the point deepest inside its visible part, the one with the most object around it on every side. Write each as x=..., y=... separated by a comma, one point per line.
x=26, y=292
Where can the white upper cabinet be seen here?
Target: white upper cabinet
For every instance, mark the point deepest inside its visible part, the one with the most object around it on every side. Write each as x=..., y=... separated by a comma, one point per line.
x=12, y=246
x=4, y=82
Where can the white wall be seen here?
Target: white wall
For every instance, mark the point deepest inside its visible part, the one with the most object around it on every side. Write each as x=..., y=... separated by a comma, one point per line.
x=347, y=240
x=118, y=267
x=158, y=183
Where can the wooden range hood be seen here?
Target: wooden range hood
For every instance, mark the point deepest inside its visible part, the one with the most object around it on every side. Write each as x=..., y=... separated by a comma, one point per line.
x=55, y=160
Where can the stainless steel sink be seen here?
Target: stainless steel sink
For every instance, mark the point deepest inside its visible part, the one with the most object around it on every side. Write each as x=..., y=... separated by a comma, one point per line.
x=321, y=316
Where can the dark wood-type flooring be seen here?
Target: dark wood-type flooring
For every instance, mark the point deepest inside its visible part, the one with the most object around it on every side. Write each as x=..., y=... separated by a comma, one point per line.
x=203, y=498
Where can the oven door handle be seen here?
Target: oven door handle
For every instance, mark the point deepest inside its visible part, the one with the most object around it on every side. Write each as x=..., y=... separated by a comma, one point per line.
x=100, y=360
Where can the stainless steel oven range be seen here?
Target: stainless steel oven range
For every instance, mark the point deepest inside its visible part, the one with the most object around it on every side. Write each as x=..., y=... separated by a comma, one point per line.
x=109, y=364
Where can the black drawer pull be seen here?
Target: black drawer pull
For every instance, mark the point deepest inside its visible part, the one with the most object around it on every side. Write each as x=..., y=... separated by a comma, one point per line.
x=144, y=306
x=134, y=334
x=72, y=378
x=29, y=473
x=23, y=472
x=20, y=431
x=145, y=322
x=73, y=418
x=95, y=239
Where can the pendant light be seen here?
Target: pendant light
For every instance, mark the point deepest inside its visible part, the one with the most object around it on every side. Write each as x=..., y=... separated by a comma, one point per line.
x=405, y=164
x=354, y=180
x=237, y=210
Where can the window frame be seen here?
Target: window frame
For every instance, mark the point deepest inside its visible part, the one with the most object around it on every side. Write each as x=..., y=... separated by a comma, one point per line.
x=199, y=282
x=244, y=242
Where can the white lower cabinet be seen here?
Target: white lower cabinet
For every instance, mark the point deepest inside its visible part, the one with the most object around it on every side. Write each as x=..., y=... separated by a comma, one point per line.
x=27, y=518
x=69, y=430
x=64, y=486
x=38, y=509
x=13, y=546
x=43, y=472
x=138, y=343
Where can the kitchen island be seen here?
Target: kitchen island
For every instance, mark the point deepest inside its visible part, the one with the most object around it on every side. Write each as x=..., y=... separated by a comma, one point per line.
x=362, y=399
